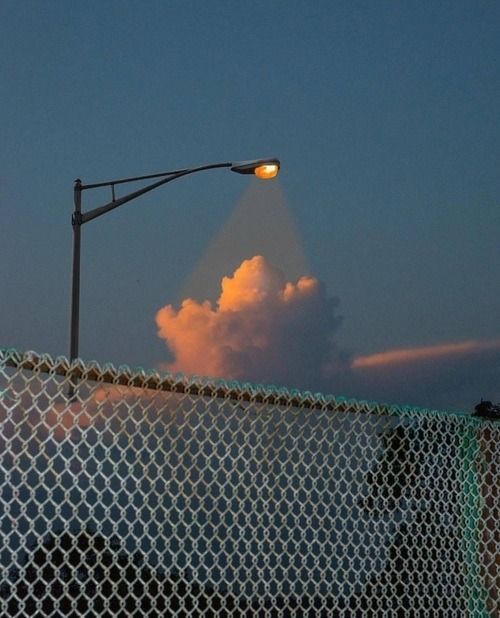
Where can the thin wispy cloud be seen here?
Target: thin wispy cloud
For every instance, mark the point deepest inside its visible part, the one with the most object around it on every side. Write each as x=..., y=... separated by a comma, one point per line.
x=446, y=375
x=400, y=356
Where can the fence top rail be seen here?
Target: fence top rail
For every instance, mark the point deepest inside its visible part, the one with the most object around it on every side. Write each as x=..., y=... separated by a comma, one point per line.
x=124, y=375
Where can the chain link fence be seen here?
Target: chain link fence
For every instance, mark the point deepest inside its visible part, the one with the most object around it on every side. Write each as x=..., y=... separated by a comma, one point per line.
x=133, y=493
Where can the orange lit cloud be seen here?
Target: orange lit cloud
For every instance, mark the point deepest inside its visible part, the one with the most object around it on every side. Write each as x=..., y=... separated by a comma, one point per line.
x=422, y=354
x=262, y=328
x=446, y=375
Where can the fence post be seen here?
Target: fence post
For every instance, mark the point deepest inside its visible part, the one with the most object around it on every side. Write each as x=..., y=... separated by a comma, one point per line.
x=472, y=513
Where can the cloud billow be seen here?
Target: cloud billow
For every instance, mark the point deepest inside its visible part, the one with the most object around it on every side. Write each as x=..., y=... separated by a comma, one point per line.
x=262, y=329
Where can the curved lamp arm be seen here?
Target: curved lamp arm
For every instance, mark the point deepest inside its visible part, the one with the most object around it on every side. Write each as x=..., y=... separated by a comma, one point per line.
x=270, y=166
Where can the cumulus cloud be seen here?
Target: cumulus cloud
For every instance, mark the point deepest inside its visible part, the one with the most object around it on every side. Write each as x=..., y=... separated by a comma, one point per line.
x=262, y=328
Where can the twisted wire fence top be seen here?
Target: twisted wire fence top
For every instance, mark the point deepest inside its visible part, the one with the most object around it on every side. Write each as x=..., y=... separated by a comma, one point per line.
x=130, y=492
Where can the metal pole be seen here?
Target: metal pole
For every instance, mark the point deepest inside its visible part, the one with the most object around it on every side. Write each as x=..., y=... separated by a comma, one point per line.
x=75, y=276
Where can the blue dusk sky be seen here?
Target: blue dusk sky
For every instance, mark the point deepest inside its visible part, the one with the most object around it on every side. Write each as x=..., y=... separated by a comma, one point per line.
x=385, y=117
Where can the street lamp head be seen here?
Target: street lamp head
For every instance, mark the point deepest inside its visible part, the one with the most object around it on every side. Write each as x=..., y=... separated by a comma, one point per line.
x=262, y=168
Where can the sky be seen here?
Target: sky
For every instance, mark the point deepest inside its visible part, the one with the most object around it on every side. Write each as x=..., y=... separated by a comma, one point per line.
x=385, y=118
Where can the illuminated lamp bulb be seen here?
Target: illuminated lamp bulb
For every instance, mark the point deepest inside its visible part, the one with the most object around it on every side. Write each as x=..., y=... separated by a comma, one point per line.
x=266, y=171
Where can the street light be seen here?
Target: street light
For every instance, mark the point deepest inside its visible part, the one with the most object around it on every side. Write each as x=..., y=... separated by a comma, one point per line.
x=262, y=168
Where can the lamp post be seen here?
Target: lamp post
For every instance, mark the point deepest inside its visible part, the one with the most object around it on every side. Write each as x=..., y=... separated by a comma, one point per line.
x=262, y=168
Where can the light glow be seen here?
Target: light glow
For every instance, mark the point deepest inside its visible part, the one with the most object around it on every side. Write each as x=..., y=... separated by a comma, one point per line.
x=267, y=171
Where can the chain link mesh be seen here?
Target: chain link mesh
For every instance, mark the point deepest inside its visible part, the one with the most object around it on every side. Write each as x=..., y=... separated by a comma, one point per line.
x=133, y=493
